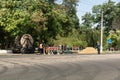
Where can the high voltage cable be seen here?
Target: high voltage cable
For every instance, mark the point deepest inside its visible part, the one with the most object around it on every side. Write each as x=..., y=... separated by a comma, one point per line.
x=90, y=2
x=85, y=3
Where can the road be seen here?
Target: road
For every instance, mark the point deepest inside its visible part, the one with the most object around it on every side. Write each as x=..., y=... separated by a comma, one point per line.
x=60, y=67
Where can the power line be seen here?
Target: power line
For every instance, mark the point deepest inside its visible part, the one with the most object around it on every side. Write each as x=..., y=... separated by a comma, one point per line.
x=91, y=2
x=86, y=3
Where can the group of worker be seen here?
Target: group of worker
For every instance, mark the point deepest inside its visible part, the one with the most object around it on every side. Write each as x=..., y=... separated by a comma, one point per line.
x=42, y=49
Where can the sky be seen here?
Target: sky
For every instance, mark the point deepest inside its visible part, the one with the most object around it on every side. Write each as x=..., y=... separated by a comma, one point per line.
x=86, y=6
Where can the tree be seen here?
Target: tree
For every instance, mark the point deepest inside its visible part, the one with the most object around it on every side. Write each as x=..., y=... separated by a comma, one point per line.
x=116, y=20
x=43, y=19
x=108, y=10
x=88, y=20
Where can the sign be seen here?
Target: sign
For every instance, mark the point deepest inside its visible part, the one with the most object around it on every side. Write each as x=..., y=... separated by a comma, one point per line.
x=109, y=41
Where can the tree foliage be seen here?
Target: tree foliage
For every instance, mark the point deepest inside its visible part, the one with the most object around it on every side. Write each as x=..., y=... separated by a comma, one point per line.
x=111, y=20
x=56, y=23
x=43, y=19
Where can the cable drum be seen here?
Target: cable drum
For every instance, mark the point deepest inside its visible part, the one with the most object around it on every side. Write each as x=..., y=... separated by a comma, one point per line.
x=26, y=43
x=26, y=39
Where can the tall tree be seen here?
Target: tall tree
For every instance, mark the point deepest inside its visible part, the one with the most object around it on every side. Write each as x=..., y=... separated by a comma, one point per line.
x=116, y=20
x=108, y=10
x=70, y=7
x=88, y=19
x=43, y=19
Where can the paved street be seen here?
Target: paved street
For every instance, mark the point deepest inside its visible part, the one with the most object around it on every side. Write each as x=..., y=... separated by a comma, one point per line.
x=60, y=67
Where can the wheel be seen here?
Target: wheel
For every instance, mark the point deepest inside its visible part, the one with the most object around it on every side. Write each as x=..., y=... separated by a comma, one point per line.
x=23, y=50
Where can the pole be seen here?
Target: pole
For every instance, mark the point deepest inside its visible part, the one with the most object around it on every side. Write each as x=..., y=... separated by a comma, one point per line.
x=101, y=37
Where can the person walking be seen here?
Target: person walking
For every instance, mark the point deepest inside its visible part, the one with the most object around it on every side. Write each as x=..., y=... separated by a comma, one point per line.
x=98, y=48
x=41, y=48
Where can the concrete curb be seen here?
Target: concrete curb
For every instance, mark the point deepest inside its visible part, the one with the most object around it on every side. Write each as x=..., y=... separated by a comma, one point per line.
x=5, y=51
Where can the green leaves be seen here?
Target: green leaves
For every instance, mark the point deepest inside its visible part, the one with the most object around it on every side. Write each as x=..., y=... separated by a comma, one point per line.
x=87, y=20
x=108, y=10
x=43, y=19
x=111, y=20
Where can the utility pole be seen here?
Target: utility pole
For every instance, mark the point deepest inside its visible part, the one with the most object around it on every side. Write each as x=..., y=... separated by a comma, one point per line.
x=101, y=37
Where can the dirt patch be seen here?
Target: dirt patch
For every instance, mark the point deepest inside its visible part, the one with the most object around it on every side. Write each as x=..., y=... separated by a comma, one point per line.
x=88, y=50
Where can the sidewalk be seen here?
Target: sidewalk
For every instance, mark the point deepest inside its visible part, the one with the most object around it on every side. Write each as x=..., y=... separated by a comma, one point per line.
x=111, y=52
x=6, y=52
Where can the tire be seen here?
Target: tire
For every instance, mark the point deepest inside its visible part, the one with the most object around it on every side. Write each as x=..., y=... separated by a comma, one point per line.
x=23, y=50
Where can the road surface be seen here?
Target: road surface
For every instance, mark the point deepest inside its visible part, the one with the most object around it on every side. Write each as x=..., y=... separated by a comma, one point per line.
x=60, y=67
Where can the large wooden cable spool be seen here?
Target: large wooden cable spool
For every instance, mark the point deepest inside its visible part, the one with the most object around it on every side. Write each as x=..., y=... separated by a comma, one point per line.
x=26, y=39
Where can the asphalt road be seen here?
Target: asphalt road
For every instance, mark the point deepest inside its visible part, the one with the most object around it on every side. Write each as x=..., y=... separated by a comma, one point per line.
x=60, y=67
